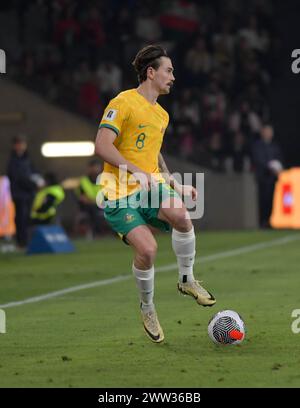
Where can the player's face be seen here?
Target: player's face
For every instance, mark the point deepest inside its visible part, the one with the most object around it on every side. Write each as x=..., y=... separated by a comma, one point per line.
x=164, y=77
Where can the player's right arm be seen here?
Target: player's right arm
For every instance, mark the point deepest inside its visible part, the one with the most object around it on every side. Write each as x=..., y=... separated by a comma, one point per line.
x=113, y=123
x=105, y=148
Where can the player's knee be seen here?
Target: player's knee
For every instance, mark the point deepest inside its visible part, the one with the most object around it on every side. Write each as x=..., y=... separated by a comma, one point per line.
x=181, y=221
x=148, y=253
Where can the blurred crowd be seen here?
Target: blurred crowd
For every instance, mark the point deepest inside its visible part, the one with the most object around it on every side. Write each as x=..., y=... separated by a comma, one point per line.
x=78, y=53
x=29, y=199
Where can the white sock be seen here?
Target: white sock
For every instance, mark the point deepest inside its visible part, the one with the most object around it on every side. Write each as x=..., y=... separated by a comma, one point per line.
x=145, y=284
x=183, y=244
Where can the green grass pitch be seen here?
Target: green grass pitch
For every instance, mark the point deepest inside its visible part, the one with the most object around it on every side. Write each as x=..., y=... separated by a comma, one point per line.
x=94, y=337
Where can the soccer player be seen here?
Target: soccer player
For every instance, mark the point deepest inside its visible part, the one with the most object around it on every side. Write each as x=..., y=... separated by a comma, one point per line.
x=129, y=138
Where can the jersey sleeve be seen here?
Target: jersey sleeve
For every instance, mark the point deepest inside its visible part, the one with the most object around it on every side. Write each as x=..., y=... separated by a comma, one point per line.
x=115, y=114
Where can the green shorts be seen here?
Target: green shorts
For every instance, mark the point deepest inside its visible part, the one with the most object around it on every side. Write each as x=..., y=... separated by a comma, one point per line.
x=140, y=208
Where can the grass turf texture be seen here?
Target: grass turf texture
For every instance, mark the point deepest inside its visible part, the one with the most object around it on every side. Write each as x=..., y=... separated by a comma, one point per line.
x=94, y=337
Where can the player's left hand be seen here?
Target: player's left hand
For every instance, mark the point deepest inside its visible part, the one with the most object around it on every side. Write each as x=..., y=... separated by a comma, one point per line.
x=189, y=191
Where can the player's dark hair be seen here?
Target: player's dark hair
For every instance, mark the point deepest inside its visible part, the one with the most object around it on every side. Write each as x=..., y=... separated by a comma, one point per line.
x=148, y=57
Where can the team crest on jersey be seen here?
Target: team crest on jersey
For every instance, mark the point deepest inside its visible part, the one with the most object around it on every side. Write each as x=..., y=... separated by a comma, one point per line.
x=128, y=218
x=110, y=114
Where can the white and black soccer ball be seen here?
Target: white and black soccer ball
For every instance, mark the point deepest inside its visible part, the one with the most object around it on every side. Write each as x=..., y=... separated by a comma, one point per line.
x=226, y=327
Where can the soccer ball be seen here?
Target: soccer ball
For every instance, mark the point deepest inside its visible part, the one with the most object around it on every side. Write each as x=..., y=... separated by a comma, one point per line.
x=226, y=327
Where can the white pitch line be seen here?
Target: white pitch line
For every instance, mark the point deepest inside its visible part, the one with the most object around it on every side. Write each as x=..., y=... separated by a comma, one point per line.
x=166, y=268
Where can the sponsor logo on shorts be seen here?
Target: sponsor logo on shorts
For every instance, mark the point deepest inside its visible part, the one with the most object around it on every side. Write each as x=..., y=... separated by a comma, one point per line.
x=128, y=218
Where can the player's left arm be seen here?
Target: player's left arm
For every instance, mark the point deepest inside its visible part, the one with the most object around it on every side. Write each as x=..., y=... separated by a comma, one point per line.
x=183, y=190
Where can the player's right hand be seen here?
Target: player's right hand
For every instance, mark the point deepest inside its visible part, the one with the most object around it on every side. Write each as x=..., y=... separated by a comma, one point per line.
x=146, y=180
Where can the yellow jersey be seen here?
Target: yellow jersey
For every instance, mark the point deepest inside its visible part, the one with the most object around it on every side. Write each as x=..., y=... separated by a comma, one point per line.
x=140, y=128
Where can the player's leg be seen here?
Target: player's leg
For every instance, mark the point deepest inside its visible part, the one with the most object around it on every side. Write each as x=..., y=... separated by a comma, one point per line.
x=131, y=226
x=144, y=245
x=173, y=211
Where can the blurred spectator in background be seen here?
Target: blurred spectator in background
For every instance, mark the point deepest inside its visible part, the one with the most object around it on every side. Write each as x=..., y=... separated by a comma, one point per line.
x=46, y=201
x=7, y=216
x=216, y=152
x=224, y=42
x=213, y=107
x=244, y=119
x=267, y=160
x=257, y=38
x=67, y=29
x=82, y=74
x=147, y=26
x=89, y=102
x=187, y=142
x=198, y=63
x=21, y=175
x=186, y=108
x=256, y=101
x=239, y=153
x=91, y=219
x=110, y=78
x=179, y=18
x=94, y=36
